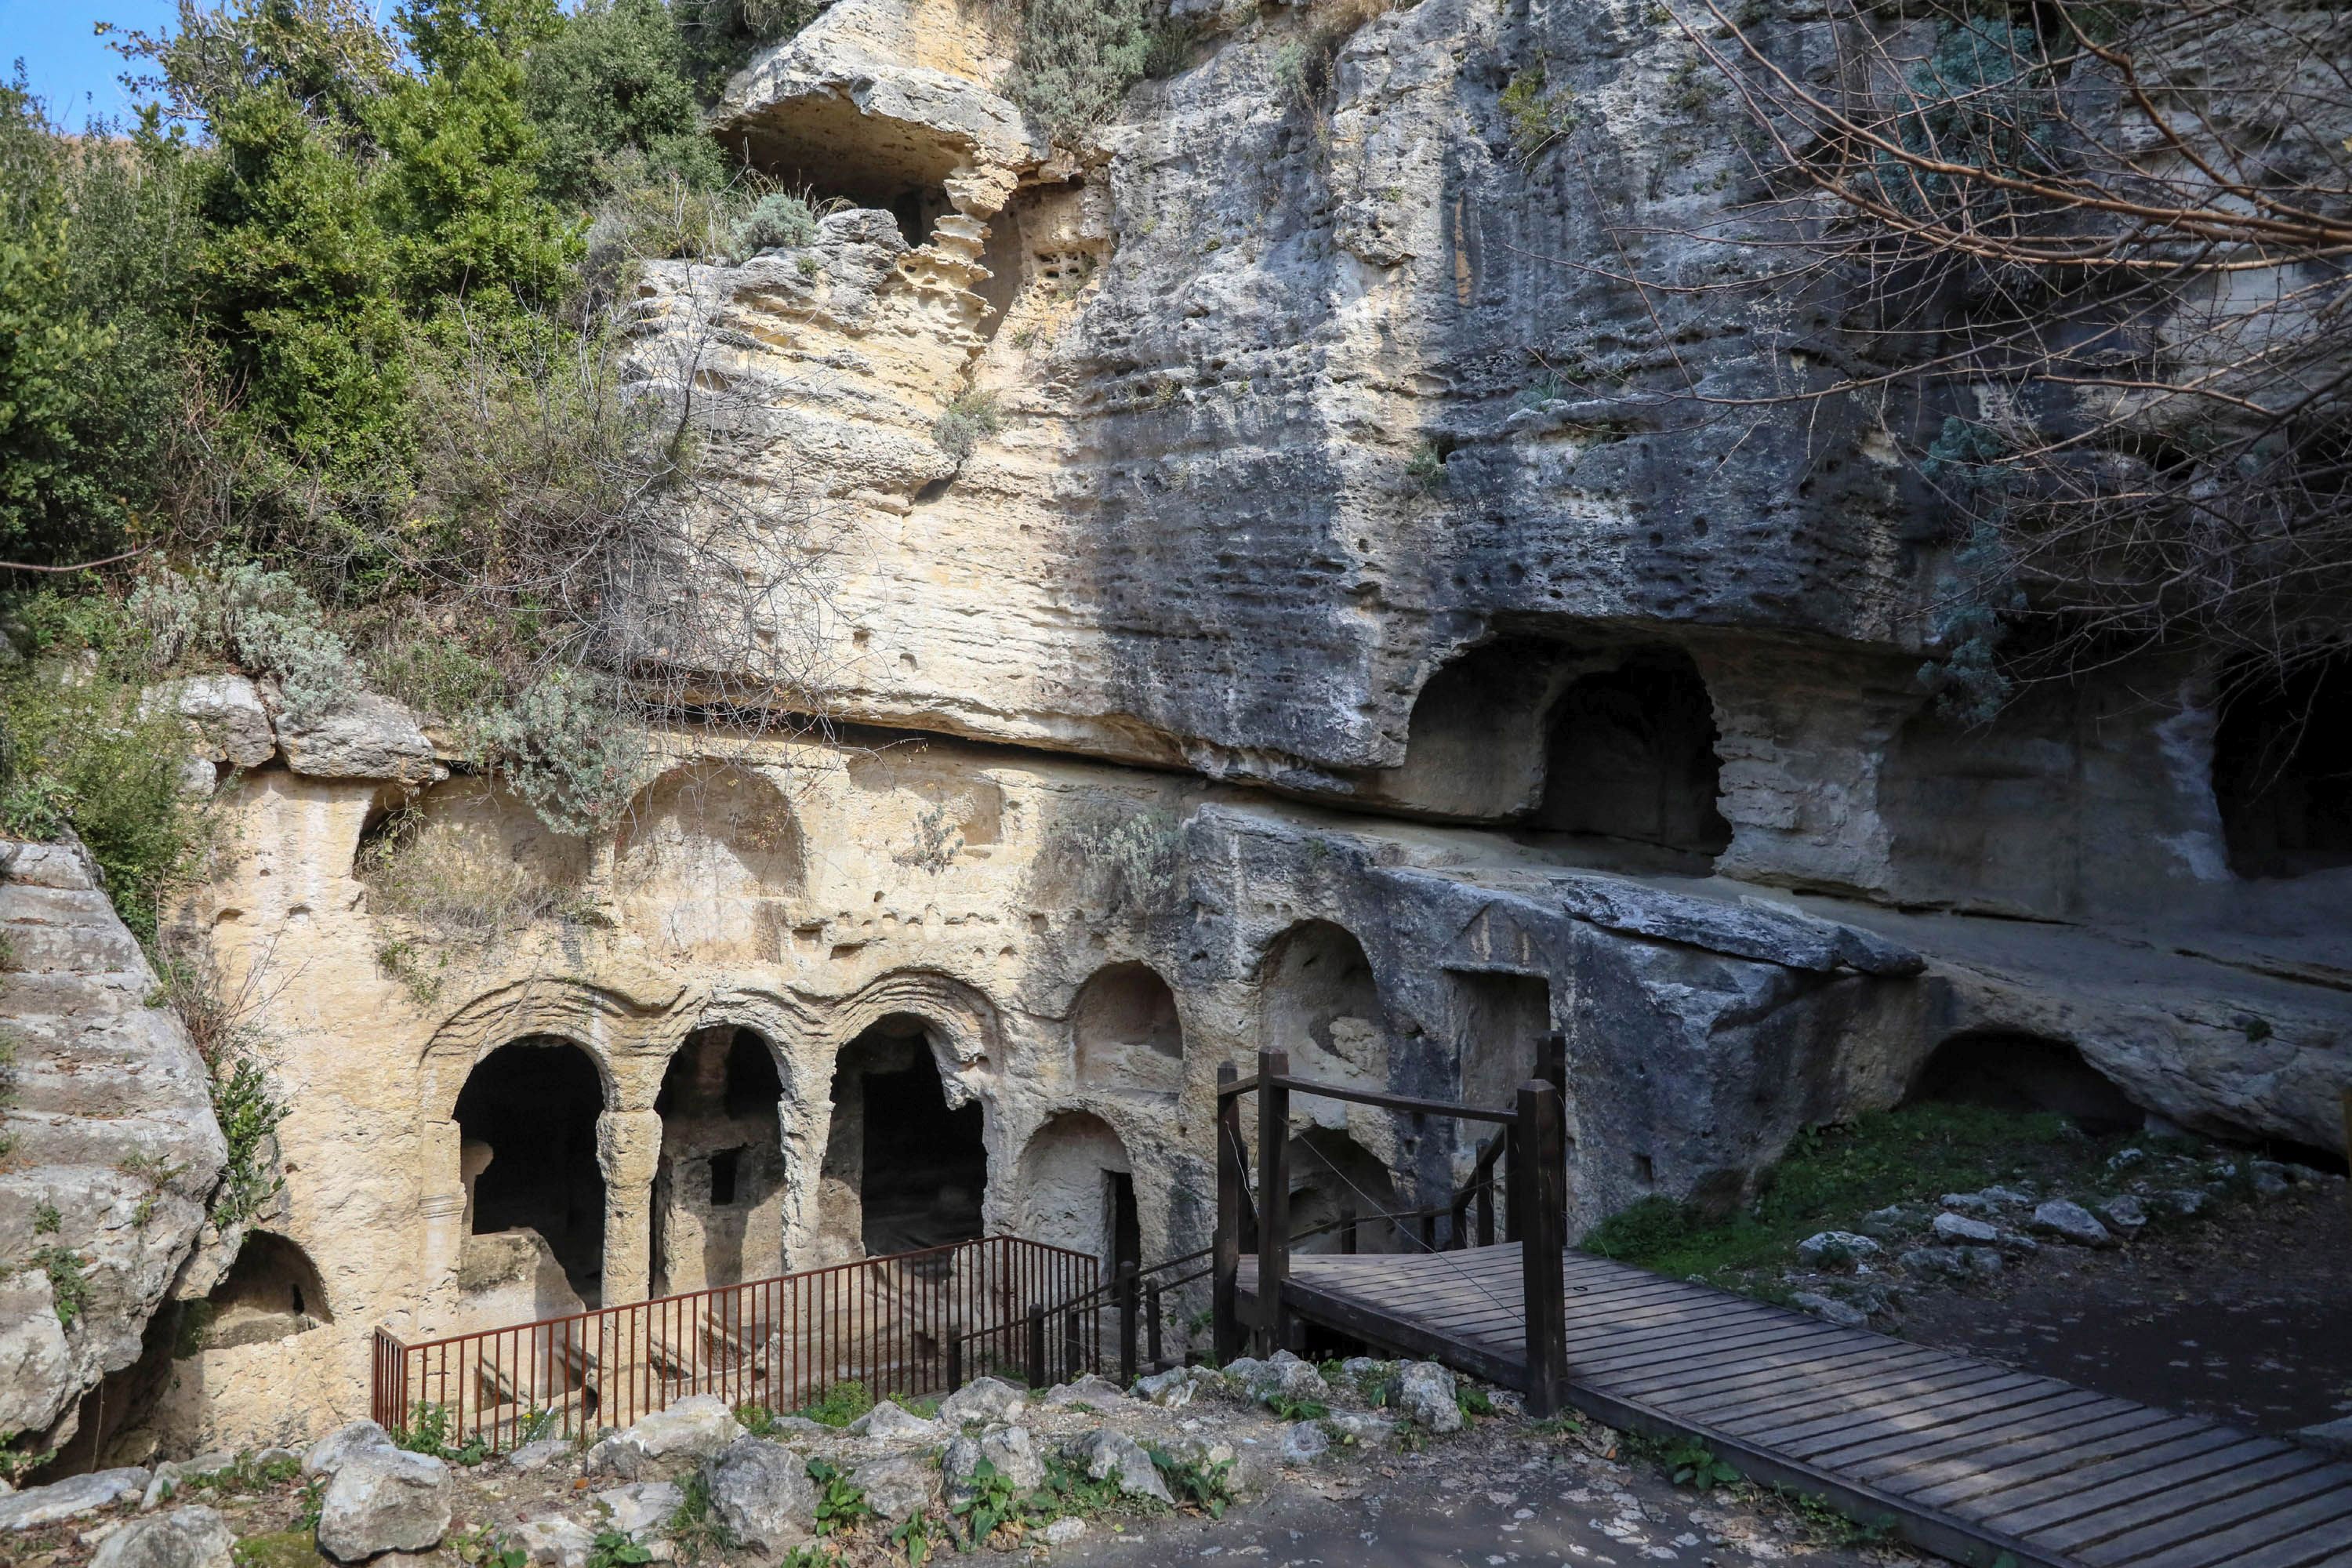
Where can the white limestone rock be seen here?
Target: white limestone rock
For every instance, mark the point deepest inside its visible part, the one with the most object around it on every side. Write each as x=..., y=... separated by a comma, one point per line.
x=890, y=1422
x=1830, y=1310
x=330, y=1453
x=1174, y=1389
x=1302, y=1442
x=1106, y=1455
x=384, y=1500
x=533, y=1457
x=896, y=1486
x=1426, y=1395
x=181, y=1538
x=227, y=712
x=1063, y=1531
x=1360, y=1431
x=1098, y=1393
x=70, y=1497
x=113, y=1128
x=1833, y=1249
x=641, y=1509
x=693, y=1429
x=1008, y=1450
x=983, y=1399
x=1961, y=1230
x=364, y=736
x=760, y=1492
x=2070, y=1221
x=555, y=1542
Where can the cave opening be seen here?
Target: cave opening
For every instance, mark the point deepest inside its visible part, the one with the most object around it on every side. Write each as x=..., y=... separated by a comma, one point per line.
x=827, y=148
x=527, y=1129
x=904, y=1168
x=2009, y=1070
x=1631, y=753
x=1126, y=1033
x=2283, y=769
x=719, y=1189
x=271, y=1293
x=1329, y=1173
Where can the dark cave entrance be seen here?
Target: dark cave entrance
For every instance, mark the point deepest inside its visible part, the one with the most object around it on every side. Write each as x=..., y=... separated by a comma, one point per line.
x=905, y=1169
x=2011, y=1072
x=1631, y=755
x=719, y=1189
x=532, y=1106
x=2283, y=769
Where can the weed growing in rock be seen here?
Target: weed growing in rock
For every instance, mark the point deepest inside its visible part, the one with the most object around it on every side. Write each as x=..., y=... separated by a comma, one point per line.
x=1694, y=1464
x=693, y=1530
x=46, y=1219
x=969, y=418
x=427, y=1432
x=248, y=1117
x=1078, y=58
x=994, y=1501
x=1207, y=1488
x=1290, y=1407
x=758, y=1420
x=839, y=1404
x=841, y=1502
x=914, y=1536
x=69, y=1287
x=1471, y=1401
x=612, y=1548
x=1540, y=115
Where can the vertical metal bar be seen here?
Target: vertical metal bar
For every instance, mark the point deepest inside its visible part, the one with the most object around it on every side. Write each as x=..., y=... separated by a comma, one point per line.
x=1036, y=1368
x=1128, y=1307
x=1152, y=1326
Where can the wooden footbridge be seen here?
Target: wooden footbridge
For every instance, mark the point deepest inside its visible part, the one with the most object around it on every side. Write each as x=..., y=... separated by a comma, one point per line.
x=1964, y=1457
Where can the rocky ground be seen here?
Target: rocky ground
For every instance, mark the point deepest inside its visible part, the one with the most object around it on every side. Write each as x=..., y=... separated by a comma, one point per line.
x=1361, y=1462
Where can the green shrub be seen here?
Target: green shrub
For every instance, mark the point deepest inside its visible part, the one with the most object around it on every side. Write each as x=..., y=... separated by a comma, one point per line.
x=839, y=1404
x=840, y=1502
x=779, y=221
x=1540, y=114
x=969, y=418
x=609, y=96
x=1078, y=58
x=248, y=1117
x=568, y=749
x=69, y=1287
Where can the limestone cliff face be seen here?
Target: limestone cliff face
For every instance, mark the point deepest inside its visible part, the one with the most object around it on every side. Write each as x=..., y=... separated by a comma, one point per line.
x=113, y=1148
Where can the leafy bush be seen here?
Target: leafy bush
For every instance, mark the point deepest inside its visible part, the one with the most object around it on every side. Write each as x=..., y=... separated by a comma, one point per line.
x=568, y=750
x=69, y=1287
x=839, y=1404
x=969, y=418
x=1208, y=1488
x=428, y=1430
x=1078, y=58
x=1540, y=115
x=840, y=1501
x=609, y=97
x=1694, y=1464
x=779, y=221
x=719, y=36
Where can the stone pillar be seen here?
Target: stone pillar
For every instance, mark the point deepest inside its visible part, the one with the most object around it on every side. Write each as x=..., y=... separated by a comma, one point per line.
x=629, y=1148
x=442, y=1228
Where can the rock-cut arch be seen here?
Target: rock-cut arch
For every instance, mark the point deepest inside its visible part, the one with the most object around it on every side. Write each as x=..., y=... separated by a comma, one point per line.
x=527, y=1151
x=1319, y=1001
x=1077, y=1188
x=709, y=859
x=1124, y=1032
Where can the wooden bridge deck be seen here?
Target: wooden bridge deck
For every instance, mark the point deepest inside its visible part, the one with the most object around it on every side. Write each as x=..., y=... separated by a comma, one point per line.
x=1970, y=1458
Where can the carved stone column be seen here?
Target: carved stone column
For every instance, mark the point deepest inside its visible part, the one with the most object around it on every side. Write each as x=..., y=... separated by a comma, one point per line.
x=629, y=1148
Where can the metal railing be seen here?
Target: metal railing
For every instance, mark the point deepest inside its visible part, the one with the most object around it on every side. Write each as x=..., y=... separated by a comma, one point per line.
x=901, y=1325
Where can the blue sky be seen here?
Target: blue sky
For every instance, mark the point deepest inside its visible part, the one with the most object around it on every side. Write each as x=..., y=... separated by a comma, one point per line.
x=63, y=61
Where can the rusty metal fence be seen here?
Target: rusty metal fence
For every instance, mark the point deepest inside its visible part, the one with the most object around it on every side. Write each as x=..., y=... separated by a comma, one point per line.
x=902, y=1325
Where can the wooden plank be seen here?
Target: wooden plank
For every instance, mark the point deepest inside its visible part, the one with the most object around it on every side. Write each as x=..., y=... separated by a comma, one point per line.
x=1679, y=1351
x=1866, y=1392
x=2070, y=1491
x=1807, y=1359
x=2288, y=1538
x=2118, y=1535
x=1893, y=1364
x=1887, y=1456
x=1971, y=1390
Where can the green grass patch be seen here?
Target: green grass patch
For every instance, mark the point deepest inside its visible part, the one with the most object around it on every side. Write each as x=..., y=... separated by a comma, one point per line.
x=1832, y=1177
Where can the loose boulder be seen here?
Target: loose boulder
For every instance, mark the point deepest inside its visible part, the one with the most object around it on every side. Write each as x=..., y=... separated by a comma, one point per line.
x=897, y=1487
x=761, y=1493
x=1830, y=1248
x=384, y=1500
x=1961, y=1230
x=1172, y=1389
x=1303, y=1442
x=2070, y=1221
x=1007, y=1449
x=890, y=1422
x=983, y=1399
x=641, y=1509
x=362, y=736
x=556, y=1543
x=330, y=1453
x=1106, y=1455
x=179, y=1538
x=70, y=1497
x=1426, y=1395
x=690, y=1431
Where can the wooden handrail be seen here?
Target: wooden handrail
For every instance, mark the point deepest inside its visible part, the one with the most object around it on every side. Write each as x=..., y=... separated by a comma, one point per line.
x=1405, y=1103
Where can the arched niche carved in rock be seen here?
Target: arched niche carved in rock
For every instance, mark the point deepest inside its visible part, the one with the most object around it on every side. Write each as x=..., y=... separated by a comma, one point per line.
x=271, y=1293
x=1077, y=1189
x=719, y=1189
x=906, y=1160
x=1125, y=1032
x=1330, y=1172
x=1318, y=1001
x=709, y=859
x=2283, y=769
x=466, y=859
x=534, y=1189
x=1631, y=753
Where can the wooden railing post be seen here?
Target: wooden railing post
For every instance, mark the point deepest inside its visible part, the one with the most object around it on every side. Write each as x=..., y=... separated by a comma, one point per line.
x=1551, y=1063
x=1538, y=1216
x=1152, y=1326
x=1036, y=1347
x=1273, y=1196
x=1347, y=1230
x=1127, y=1305
x=1232, y=1212
x=1486, y=1211
x=1515, y=1172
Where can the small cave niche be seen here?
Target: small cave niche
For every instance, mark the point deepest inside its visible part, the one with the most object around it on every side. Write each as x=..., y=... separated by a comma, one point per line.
x=1319, y=1001
x=1329, y=1173
x=2009, y=1070
x=1474, y=742
x=1077, y=1189
x=719, y=1188
x=1125, y=1032
x=271, y=1293
x=1631, y=753
x=2283, y=769
x=1500, y=1021
x=904, y=1168
x=527, y=1129
x=827, y=148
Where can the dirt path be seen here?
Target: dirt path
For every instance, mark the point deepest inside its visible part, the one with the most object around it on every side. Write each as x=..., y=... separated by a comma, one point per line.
x=2246, y=1319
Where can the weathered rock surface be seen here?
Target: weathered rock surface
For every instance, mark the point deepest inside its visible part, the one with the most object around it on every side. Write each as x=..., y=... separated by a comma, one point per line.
x=2070, y=1221
x=1007, y=1448
x=640, y=1510
x=1106, y=1455
x=115, y=1145
x=384, y=1500
x=694, y=1428
x=897, y=1486
x=337, y=1447
x=70, y=1497
x=364, y=736
x=1834, y=1246
x=227, y=714
x=892, y=1421
x=191, y=1537
x=1426, y=1395
x=983, y=1399
x=760, y=1491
